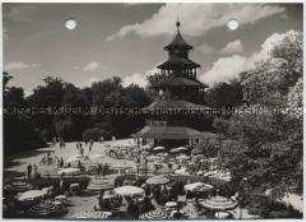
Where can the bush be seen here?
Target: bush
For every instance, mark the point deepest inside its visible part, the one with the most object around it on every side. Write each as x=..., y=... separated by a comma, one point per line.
x=95, y=134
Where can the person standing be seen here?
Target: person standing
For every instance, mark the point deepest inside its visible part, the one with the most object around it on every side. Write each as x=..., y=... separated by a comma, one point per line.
x=61, y=185
x=29, y=171
x=61, y=164
x=99, y=170
x=35, y=173
x=91, y=142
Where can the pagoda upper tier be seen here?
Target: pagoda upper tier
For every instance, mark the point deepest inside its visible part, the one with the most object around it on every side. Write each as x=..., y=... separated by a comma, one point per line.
x=178, y=63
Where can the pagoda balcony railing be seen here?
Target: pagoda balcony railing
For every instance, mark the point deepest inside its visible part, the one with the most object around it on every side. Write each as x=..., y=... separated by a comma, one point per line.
x=158, y=77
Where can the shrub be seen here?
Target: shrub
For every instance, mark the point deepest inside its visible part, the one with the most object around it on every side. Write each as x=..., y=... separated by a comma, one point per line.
x=95, y=134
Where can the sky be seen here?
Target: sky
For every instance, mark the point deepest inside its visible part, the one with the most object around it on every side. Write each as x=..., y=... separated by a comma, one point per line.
x=127, y=40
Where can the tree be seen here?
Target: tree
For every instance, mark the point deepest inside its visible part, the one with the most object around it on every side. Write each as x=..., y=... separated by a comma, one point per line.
x=19, y=131
x=225, y=95
x=268, y=125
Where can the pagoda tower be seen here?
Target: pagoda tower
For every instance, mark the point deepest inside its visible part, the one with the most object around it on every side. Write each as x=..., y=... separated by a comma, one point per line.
x=175, y=89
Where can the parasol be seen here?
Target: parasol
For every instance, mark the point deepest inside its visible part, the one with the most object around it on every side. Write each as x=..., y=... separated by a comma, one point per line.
x=69, y=171
x=146, y=147
x=158, y=180
x=219, y=203
x=32, y=195
x=197, y=186
x=153, y=158
x=100, y=185
x=19, y=186
x=94, y=214
x=45, y=209
x=179, y=149
x=157, y=215
x=74, y=159
x=171, y=204
x=129, y=190
x=182, y=157
x=159, y=148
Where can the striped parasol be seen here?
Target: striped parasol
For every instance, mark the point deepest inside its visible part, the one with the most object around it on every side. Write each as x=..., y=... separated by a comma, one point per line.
x=19, y=186
x=44, y=209
x=219, y=203
x=92, y=214
x=100, y=185
x=154, y=215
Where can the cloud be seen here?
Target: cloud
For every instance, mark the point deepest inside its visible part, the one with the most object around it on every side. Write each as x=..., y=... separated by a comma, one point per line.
x=90, y=67
x=20, y=66
x=228, y=68
x=232, y=48
x=139, y=79
x=205, y=49
x=136, y=78
x=224, y=70
x=196, y=19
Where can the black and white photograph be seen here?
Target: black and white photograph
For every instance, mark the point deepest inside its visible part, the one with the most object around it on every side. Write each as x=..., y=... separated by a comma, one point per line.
x=152, y=111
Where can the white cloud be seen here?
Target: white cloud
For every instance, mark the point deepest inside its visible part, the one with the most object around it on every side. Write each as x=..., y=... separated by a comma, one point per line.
x=136, y=78
x=196, y=19
x=232, y=48
x=224, y=70
x=90, y=67
x=139, y=79
x=20, y=65
x=228, y=68
x=205, y=49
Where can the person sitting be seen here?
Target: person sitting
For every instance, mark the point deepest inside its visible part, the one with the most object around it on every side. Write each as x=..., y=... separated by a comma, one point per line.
x=176, y=215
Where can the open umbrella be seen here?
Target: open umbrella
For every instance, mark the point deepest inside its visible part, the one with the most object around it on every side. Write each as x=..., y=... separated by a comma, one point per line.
x=69, y=171
x=45, y=209
x=32, y=195
x=129, y=190
x=179, y=149
x=219, y=203
x=159, y=148
x=100, y=185
x=182, y=157
x=158, y=180
x=157, y=215
x=73, y=159
x=146, y=147
x=153, y=158
x=18, y=186
x=197, y=186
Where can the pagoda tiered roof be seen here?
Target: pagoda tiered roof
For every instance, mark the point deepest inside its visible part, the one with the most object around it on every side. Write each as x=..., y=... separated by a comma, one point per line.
x=175, y=61
x=172, y=132
x=177, y=81
x=178, y=42
x=173, y=104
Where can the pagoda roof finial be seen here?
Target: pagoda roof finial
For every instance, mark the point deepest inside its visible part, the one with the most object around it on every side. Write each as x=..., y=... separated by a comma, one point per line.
x=178, y=24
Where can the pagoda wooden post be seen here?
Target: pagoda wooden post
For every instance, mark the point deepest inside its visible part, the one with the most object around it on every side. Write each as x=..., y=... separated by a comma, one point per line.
x=138, y=159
